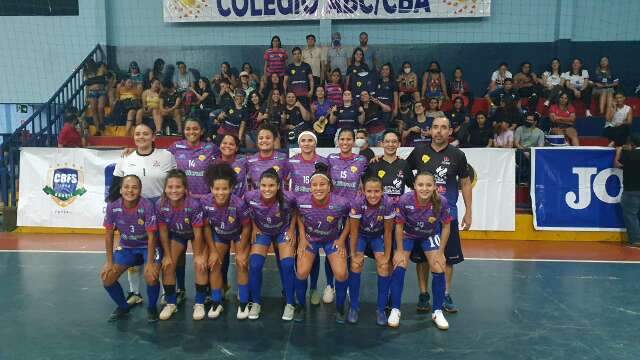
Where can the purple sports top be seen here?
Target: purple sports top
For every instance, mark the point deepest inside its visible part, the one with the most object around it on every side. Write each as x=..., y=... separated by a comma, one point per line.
x=301, y=171
x=420, y=222
x=194, y=162
x=133, y=223
x=257, y=165
x=322, y=222
x=372, y=217
x=268, y=216
x=180, y=221
x=346, y=174
x=226, y=222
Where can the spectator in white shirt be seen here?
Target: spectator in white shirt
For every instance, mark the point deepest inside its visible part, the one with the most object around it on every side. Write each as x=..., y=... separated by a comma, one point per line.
x=577, y=82
x=619, y=116
x=552, y=82
x=499, y=76
x=312, y=55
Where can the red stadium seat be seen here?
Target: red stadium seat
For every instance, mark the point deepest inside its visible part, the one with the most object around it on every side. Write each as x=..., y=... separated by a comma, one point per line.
x=479, y=105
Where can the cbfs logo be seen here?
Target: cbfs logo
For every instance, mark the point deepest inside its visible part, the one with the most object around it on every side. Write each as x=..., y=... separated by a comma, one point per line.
x=65, y=184
x=606, y=186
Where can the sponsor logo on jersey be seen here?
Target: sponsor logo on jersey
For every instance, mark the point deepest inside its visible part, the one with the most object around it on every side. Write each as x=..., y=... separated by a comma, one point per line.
x=65, y=184
x=425, y=158
x=276, y=168
x=330, y=219
x=354, y=169
x=381, y=173
x=431, y=219
x=231, y=219
x=202, y=157
x=237, y=169
x=186, y=220
x=140, y=222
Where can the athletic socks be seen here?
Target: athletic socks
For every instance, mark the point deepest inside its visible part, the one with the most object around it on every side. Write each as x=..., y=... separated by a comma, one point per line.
x=170, y=294
x=201, y=293
x=289, y=278
x=301, y=291
x=180, y=271
x=133, y=274
x=243, y=293
x=315, y=273
x=216, y=295
x=384, y=282
x=438, y=285
x=341, y=294
x=397, y=284
x=354, y=290
x=153, y=292
x=256, y=263
x=117, y=294
x=279, y=263
x=327, y=271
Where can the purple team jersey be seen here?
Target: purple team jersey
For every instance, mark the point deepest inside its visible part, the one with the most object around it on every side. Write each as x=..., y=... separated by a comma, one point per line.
x=301, y=171
x=420, y=221
x=194, y=162
x=372, y=217
x=226, y=222
x=133, y=223
x=346, y=174
x=269, y=217
x=257, y=165
x=322, y=222
x=180, y=221
x=239, y=165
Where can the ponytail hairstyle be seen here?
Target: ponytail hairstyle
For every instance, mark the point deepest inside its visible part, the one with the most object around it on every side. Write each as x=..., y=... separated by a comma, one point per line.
x=322, y=169
x=173, y=174
x=220, y=171
x=271, y=173
x=114, y=198
x=434, y=199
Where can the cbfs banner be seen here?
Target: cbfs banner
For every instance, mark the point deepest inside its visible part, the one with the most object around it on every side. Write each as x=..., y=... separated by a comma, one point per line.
x=576, y=189
x=280, y=10
x=64, y=187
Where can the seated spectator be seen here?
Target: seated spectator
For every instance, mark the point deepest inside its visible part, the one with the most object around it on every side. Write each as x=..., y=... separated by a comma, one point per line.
x=96, y=92
x=552, y=82
x=320, y=109
x=408, y=82
x=171, y=105
x=299, y=78
x=157, y=73
x=460, y=88
x=273, y=82
x=617, y=127
x=458, y=117
x=203, y=104
x=480, y=133
x=434, y=85
x=151, y=106
x=563, y=117
x=417, y=130
x=373, y=121
x=69, y=134
x=578, y=85
x=296, y=118
x=245, y=84
x=433, y=111
x=225, y=94
x=506, y=104
x=273, y=110
x=527, y=85
x=387, y=93
x=526, y=137
x=183, y=79
x=225, y=74
x=275, y=59
x=362, y=143
x=405, y=113
x=503, y=137
x=135, y=75
x=254, y=80
x=498, y=77
x=604, y=84
x=233, y=119
x=255, y=117
x=128, y=101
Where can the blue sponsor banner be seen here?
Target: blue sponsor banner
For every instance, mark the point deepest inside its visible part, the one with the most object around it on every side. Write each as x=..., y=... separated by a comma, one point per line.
x=576, y=189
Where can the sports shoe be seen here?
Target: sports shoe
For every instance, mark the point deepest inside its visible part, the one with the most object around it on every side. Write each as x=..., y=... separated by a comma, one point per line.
x=254, y=313
x=352, y=316
x=439, y=320
x=381, y=318
x=215, y=311
x=298, y=314
x=588, y=113
x=423, y=303
x=315, y=297
x=288, y=313
x=168, y=311
x=118, y=314
x=134, y=299
x=152, y=315
x=243, y=311
x=448, y=305
x=198, y=312
x=328, y=295
x=181, y=296
x=340, y=316
x=394, y=318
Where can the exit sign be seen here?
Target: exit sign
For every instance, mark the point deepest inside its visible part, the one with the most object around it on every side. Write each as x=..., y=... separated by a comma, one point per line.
x=22, y=108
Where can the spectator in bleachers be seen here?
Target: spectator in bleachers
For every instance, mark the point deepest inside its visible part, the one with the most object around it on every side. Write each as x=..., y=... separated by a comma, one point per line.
x=204, y=103
x=370, y=56
x=254, y=80
x=373, y=118
x=296, y=118
x=336, y=57
x=157, y=73
x=563, y=118
x=171, y=106
x=69, y=134
x=417, y=128
x=503, y=137
x=527, y=136
x=458, y=87
x=225, y=94
x=96, y=92
x=552, y=82
x=245, y=84
x=312, y=55
x=275, y=58
x=233, y=119
x=405, y=113
x=347, y=116
x=433, y=111
x=480, y=133
x=225, y=74
x=151, y=106
x=604, y=84
x=256, y=115
x=499, y=76
x=618, y=121
x=135, y=75
x=271, y=83
x=387, y=93
x=576, y=80
x=183, y=79
x=630, y=201
x=362, y=143
x=320, y=108
x=273, y=110
x=458, y=116
x=408, y=82
x=505, y=104
x=361, y=78
x=357, y=65
x=333, y=88
x=526, y=84
x=128, y=101
x=299, y=78
x=434, y=85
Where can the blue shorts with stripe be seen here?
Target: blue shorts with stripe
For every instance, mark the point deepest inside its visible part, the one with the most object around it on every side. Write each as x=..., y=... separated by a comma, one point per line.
x=267, y=239
x=329, y=247
x=135, y=256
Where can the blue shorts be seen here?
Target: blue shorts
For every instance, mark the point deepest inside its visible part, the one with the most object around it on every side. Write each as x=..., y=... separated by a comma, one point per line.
x=217, y=239
x=434, y=94
x=266, y=239
x=431, y=243
x=328, y=247
x=452, y=251
x=134, y=256
x=375, y=244
x=96, y=94
x=181, y=239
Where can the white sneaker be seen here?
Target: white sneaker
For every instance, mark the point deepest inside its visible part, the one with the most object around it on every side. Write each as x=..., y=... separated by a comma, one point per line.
x=394, y=318
x=215, y=311
x=243, y=313
x=588, y=113
x=328, y=295
x=288, y=313
x=254, y=313
x=198, y=312
x=439, y=320
x=168, y=311
x=134, y=299
x=546, y=103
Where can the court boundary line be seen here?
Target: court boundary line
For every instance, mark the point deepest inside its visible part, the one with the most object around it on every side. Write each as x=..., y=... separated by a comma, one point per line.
x=36, y=251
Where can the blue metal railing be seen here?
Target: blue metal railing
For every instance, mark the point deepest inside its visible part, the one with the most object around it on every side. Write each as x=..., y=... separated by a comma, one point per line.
x=42, y=127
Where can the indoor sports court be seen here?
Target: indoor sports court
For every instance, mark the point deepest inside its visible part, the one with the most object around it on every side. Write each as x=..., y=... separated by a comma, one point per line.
x=319, y=179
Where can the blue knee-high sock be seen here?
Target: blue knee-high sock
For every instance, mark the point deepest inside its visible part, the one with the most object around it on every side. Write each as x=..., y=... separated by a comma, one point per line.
x=438, y=284
x=328, y=272
x=216, y=295
x=225, y=268
x=170, y=294
x=354, y=290
x=256, y=263
x=201, y=293
x=289, y=276
x=384, y=283
x=397, y=284
x=279, y=263
x=315, y=273
x=180, y=271
x=153, y=292
x=341, y=294
x=301, y=291
x=243, y=293
x=116, y=293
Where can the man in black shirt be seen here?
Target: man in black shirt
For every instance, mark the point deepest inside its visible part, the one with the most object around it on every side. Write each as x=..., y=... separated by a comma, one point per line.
x=449, y=166
x=394, y=172
x=630, y=202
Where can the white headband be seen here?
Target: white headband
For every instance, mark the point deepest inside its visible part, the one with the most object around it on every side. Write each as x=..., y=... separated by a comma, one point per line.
x=320, y=174
x=315, y=138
